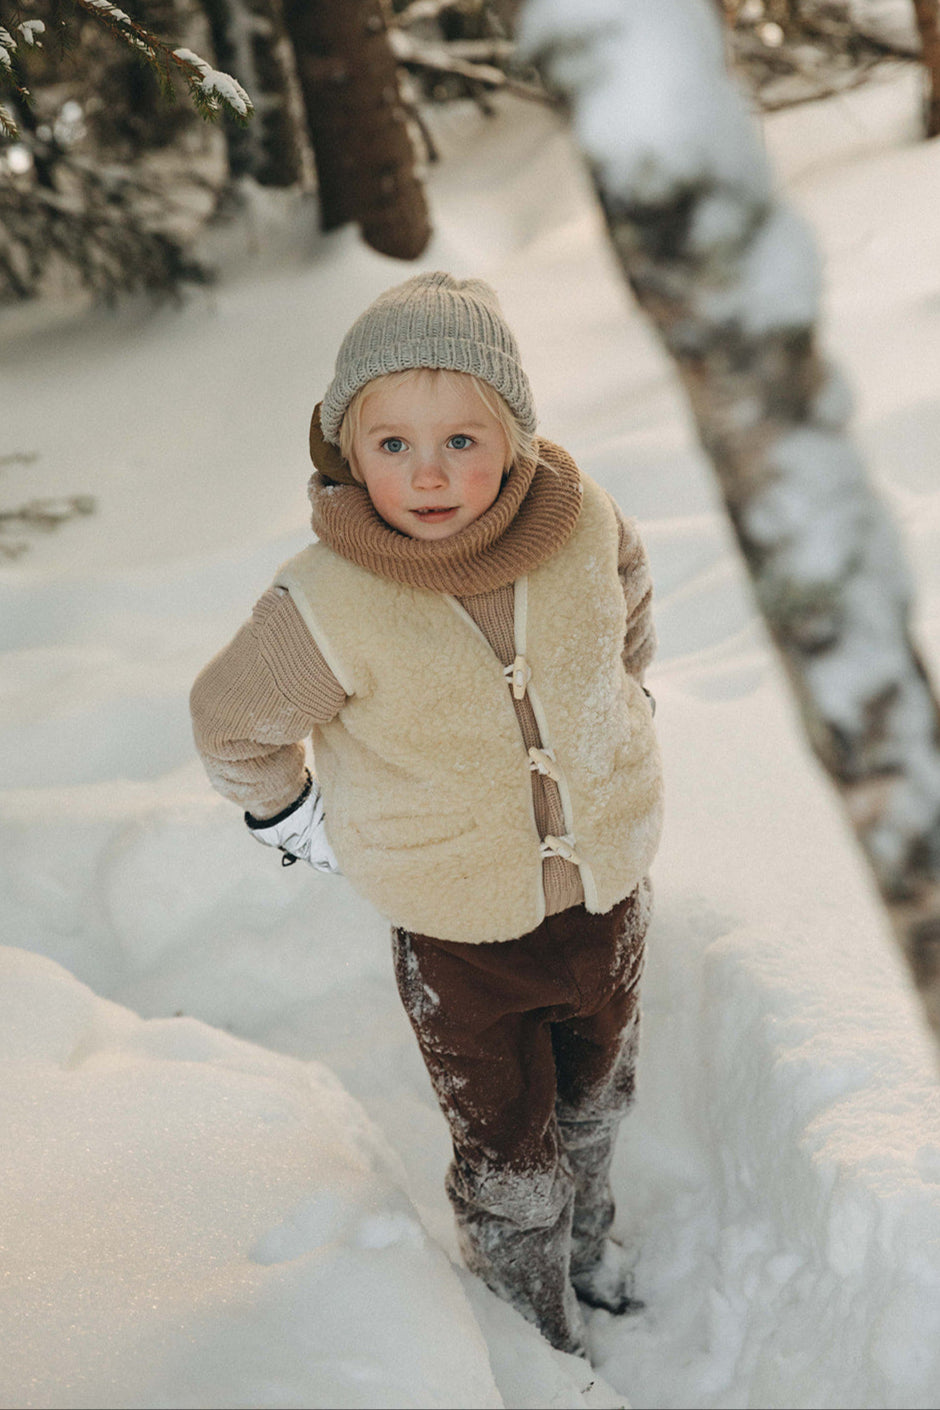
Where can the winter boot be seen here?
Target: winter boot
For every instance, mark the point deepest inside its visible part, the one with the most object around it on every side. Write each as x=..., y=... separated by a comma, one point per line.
x=600, y=1270
x=608, y=1282
x=526, y=1267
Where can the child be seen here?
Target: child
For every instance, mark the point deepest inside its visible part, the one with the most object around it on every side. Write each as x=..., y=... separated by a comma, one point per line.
x=466, y=644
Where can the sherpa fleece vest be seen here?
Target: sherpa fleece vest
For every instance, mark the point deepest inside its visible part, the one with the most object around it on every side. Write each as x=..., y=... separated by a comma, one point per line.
x=424, y=773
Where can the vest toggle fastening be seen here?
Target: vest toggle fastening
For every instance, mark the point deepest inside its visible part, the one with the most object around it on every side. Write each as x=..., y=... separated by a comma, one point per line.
x=553, y=846
x=518, y=675
x=542, y=761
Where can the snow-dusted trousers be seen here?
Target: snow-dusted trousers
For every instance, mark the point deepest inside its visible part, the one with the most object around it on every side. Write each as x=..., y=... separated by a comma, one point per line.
x=531, y=1048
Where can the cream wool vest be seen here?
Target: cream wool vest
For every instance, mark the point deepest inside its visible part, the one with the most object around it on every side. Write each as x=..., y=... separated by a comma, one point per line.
x=424, y=773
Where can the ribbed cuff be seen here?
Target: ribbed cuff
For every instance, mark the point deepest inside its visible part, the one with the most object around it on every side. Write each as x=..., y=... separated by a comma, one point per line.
x=256, y=823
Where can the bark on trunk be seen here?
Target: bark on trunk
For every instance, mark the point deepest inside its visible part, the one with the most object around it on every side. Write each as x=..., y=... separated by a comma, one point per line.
x=727, y=275
x=927, y=15
x=359, y=127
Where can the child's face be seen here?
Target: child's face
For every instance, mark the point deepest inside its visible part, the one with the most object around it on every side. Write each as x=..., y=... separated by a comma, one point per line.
x=430, y=454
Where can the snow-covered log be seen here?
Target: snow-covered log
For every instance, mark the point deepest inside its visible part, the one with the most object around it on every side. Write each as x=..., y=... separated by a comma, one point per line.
x=729, y=276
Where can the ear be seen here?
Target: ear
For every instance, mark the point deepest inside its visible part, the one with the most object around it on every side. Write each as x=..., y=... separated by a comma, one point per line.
x=327, y=457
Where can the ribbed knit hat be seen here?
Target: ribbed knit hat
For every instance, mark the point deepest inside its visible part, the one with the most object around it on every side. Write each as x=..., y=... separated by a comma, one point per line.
x=432, y=320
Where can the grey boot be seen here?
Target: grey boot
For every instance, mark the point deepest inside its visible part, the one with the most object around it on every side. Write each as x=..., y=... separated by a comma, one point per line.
x=526, y=1264
x=600, y=1271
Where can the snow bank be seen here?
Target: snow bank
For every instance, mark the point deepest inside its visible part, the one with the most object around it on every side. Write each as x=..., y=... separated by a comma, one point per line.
x=787, y=1139
x=191, y=1220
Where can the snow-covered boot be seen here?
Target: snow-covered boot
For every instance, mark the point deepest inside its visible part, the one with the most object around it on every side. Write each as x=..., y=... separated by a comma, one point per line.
x=600, y=1270
x=526, y=1267
x=608, y=1282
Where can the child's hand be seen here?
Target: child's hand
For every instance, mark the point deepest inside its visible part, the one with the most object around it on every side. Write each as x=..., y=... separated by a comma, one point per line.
x=299, y=832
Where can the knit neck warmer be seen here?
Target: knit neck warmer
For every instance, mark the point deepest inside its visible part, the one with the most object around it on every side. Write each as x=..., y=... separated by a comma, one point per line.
x=531, y=518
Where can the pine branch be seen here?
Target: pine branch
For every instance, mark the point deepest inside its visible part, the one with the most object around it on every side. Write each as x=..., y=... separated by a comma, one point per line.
x=27, y=33
x=211, y=91
x=95, y=221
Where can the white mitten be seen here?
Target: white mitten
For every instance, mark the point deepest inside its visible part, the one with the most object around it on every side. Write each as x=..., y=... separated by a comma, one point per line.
x=298, y=831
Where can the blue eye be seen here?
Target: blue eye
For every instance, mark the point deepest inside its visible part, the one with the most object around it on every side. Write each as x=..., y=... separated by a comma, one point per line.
x=393, y=444
x=464, y=441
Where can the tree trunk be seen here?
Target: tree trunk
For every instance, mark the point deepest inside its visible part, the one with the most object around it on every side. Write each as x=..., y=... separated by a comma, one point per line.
x=359, y=127
x=728, y=276
x=251, y=43
x=927, y=15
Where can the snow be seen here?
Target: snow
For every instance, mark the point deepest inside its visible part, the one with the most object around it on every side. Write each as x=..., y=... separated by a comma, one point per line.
x=890, y=22
x=779, y=283
x=30, y=30
x=223, y=1163
x=648, y=110
x=213, y=1220
x=219, y=89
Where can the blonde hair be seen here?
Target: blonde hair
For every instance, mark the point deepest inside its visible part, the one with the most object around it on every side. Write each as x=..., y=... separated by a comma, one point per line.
x=519, y=444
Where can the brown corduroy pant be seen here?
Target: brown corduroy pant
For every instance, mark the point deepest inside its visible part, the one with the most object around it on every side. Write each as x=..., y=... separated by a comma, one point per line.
x=531, y=1048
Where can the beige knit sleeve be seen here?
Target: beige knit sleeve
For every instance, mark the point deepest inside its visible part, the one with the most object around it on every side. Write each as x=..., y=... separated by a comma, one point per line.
x=639, y=643
x=255, y=703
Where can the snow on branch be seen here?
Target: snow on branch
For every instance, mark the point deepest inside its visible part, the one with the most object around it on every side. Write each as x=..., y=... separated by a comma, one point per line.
x=729, y=276
x=217, y=90
x=30, y=30
x=212, y=92
x=9, y=46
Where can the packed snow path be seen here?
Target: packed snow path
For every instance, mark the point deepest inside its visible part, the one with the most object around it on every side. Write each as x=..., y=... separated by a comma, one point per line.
x=196, y=1219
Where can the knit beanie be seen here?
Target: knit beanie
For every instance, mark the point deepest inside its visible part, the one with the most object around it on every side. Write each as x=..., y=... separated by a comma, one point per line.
x=432, y=320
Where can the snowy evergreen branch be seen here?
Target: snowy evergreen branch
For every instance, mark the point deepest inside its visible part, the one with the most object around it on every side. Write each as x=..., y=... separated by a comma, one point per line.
x=93, y=220
x=211, y=91
x=26, y=32
x=729, y=276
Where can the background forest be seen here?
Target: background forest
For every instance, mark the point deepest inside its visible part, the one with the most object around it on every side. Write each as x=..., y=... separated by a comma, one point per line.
x=110, y=171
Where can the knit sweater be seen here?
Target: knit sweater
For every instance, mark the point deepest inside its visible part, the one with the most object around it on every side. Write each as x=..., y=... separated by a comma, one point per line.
x=271, y=687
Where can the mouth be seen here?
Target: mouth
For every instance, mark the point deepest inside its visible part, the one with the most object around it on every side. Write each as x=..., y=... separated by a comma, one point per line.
x=434, y=515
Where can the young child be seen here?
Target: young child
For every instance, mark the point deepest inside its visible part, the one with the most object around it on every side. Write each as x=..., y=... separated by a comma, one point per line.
x=465, y=643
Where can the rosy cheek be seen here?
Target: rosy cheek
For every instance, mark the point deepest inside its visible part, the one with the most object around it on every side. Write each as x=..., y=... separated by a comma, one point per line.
x=485, y=480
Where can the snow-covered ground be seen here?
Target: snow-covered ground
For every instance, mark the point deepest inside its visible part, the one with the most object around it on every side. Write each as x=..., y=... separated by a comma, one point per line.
x=221, y=1159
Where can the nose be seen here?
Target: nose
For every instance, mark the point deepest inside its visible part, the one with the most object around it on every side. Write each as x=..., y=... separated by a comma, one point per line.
x=428, y=471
